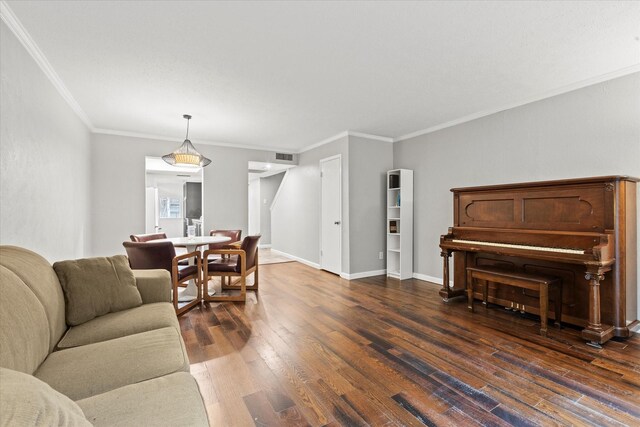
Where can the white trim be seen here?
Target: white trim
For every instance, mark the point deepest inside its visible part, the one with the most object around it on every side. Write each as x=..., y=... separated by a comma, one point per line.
x=265, y=246
x=275, y=198
x=328, y=159
x=363, y=274
x=551, y=93
x=324, y=141
x=369, y=136
x=30, y=45
x=431, y=279
x=295, y=258
x=346, y=133
x=194, y=140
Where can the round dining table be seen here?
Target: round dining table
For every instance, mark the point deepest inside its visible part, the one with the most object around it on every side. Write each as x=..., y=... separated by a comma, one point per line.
x=192, y=244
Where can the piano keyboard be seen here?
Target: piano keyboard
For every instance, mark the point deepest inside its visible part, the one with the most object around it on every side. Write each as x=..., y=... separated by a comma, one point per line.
x=533, y=248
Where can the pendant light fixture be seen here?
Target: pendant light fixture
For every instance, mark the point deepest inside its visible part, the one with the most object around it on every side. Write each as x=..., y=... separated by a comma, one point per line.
x=186, y=154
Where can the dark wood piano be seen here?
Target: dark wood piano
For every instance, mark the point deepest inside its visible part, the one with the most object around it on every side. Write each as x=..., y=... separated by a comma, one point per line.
x=580, y=230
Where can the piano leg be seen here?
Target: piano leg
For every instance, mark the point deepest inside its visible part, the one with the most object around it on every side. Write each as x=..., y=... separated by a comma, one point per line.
x=595, y=332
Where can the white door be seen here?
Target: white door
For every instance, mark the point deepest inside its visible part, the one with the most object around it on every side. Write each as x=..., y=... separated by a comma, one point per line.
x=331, y=214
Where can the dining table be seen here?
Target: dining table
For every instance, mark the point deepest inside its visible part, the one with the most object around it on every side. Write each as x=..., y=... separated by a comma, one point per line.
x=191, y=244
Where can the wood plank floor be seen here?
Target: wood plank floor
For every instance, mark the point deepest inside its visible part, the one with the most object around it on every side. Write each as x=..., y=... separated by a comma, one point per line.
x=313, y=349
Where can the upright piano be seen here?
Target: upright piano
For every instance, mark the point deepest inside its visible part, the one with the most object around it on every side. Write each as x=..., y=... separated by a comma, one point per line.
x=582, y=231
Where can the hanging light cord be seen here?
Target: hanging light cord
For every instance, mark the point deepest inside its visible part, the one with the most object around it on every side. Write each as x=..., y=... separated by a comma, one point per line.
x=187, y=137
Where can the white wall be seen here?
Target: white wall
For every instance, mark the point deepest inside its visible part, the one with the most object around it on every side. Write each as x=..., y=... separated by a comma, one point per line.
x=254, y=207
x=593, y=131
x=268, y=189
x=44, y=158
x=295, y=217
x=118, y=187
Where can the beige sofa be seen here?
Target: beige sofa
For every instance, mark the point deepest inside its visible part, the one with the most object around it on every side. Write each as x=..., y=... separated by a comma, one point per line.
x=124, y=368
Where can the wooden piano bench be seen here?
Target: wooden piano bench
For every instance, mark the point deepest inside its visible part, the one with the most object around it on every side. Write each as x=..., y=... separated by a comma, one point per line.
x=534, y=282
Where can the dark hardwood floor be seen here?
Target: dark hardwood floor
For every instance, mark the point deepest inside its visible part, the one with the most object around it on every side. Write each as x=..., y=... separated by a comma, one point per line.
x=313, y=349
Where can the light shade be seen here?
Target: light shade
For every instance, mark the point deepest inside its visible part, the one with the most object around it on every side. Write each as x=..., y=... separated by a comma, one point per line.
x=186, y=155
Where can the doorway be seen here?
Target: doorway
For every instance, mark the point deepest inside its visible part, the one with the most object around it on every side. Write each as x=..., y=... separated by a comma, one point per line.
x=173, y=198
x=331, y=214
x=264, y=182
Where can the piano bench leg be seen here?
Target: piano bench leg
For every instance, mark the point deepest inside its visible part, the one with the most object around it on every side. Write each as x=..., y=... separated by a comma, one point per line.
x=470, y=291
x=485, y=294
x=544, y=308
x=557, y=300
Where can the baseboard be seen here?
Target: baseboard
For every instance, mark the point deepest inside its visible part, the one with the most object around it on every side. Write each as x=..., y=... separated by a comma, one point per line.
x=265, y=246
x=432, y=279
x=295, y=258
x=363, y=274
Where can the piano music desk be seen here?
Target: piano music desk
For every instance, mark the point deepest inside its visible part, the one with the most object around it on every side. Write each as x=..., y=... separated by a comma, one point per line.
x=534, y=282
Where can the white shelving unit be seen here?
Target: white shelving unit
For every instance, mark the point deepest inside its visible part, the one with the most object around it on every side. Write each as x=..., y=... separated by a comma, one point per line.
x=400, y=223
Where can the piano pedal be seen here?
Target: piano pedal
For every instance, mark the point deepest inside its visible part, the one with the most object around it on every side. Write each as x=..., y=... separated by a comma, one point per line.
x=594, y=345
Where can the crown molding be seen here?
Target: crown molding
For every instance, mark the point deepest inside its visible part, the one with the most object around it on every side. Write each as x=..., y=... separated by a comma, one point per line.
x=554, y=92
x=194, y=140
x=370, y=136
x=324, y=141
x=345, y=134
x=30, y=45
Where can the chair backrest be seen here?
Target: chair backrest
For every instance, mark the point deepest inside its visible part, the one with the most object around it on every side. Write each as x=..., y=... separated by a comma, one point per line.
x=250, y=247
x=150, y=255
x=233, y=234
x=147, y=237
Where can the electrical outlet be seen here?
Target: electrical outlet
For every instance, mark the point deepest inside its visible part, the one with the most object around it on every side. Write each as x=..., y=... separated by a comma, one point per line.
x=381, y=255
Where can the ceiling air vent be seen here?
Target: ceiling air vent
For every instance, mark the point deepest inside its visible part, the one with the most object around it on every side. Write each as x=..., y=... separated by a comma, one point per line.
x=283, y=156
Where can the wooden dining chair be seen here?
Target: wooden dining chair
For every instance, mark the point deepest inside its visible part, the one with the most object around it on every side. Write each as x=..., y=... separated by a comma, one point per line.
x=234, y=235
x=147, y=237
x=162, y=255
x=239, y=264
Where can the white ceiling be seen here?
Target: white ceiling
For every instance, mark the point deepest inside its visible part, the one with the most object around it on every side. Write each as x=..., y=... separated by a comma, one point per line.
x=289, y=74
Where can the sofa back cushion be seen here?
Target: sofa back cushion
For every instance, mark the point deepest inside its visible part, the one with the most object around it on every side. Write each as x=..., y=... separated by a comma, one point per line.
x=24, y=329
x=37, y=274
x=96, y=286
x=27, y=401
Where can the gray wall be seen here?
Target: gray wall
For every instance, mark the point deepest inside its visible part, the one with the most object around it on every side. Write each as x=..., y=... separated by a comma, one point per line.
x=588, y=132
x=44, y=158
x=295, y=219
x=369, y=161
x=268, y=189
x=118, y=187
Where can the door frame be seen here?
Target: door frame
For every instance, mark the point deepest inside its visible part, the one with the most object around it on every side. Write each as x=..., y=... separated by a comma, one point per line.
x=327, y=159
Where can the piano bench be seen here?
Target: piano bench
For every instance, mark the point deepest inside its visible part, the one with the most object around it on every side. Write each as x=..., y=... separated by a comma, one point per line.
x=534, y=282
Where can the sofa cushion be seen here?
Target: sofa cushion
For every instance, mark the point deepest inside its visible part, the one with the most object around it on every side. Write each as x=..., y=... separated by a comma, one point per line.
x=27, y=401
x=154, y=285
x=37, y=274
x=92, y=369
x=172, y=400
x=147, y=317
x=24, y=329
x=96, y=286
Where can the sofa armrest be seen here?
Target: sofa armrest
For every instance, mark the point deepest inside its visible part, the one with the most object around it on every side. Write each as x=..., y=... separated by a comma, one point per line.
x=154, y=285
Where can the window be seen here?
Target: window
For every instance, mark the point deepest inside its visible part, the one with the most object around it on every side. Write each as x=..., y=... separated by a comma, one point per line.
x=170, y=208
